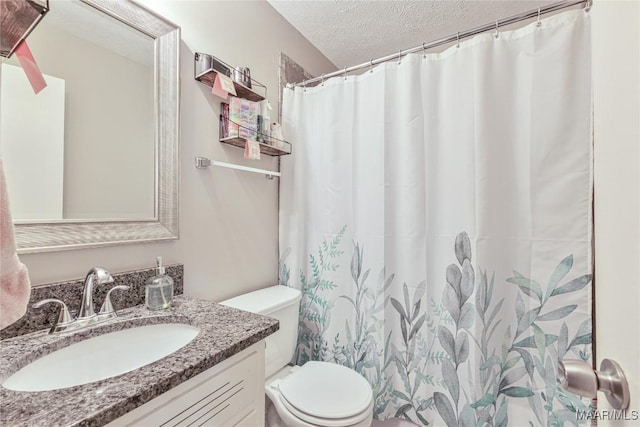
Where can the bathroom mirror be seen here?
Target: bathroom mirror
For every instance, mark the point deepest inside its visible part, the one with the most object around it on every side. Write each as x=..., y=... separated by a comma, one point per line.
x=106, y=155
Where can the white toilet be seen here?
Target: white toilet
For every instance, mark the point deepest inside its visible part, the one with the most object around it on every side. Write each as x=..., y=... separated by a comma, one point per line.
x=318, y=394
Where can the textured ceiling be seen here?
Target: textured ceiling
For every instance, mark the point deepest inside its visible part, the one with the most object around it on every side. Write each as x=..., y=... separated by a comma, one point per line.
x=352, y=32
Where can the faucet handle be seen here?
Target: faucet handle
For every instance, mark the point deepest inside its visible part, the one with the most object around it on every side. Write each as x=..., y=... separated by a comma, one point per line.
x=107, y=307
x=64, y=317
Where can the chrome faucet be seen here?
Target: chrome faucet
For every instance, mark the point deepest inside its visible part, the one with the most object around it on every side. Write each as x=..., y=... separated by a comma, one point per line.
x=95, y=276
x=87, y=315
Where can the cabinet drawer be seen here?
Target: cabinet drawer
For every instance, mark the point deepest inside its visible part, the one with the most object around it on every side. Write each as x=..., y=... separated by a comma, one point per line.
x=219, y=396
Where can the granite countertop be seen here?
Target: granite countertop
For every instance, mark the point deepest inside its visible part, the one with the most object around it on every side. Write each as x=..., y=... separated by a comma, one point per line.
x=224, y=331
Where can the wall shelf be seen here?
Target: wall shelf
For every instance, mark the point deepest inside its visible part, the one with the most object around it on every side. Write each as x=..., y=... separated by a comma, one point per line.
x=267, y=149
x=207, y=67
x=281, y=149
x=17, y=20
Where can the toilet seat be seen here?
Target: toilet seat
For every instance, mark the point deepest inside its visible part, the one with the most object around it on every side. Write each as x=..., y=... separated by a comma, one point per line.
x=326, y=422
x=323, y=394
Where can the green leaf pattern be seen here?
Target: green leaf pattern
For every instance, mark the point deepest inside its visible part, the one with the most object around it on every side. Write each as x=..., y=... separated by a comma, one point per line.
x=457, y=361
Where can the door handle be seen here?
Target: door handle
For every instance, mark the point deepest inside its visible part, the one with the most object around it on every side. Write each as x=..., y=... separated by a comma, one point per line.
x=580, y=378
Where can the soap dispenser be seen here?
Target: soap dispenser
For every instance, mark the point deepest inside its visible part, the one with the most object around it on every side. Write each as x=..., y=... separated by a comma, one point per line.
x=159, y=289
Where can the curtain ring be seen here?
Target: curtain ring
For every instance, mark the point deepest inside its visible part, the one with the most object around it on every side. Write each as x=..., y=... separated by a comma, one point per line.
x=424, y=51
x=539, y=23
x=399, y=56
x=304, y=86
x=322, y=79
x=371, y=65
x=345, y=73
x=458, y=39
x=497, y=33
x=587, y=5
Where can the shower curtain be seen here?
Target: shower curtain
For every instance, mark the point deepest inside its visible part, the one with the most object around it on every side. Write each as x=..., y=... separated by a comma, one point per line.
x=436, y=215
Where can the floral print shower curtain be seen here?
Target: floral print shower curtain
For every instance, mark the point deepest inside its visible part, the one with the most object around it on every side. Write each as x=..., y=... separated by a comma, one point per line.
x=436, y=215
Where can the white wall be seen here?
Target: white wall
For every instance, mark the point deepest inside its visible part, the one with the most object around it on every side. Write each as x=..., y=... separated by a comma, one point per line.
x=616, y=68
x=228, y=219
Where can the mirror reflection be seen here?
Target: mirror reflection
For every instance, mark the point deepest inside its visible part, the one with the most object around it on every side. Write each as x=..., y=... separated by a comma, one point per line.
x=84, y=148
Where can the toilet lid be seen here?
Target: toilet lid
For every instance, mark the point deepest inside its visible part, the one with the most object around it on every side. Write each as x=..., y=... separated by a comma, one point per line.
x=326, y=390
x=327, y=422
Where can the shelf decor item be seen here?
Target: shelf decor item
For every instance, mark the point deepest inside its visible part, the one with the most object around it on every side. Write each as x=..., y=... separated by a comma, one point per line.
x=242, y=75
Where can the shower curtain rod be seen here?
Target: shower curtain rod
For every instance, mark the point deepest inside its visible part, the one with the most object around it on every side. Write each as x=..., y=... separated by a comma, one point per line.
x=453, y=38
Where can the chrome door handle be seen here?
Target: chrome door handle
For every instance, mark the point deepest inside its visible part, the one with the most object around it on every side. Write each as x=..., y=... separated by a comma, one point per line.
x=580, y=378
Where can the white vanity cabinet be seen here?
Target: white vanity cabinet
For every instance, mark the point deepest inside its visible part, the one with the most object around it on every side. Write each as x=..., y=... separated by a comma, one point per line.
x=228, y=394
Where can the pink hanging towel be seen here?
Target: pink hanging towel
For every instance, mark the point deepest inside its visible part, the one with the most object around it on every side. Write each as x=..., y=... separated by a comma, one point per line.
x=15, y=287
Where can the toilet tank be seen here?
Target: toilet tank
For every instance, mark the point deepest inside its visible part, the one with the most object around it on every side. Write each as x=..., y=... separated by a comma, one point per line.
x=282, y=303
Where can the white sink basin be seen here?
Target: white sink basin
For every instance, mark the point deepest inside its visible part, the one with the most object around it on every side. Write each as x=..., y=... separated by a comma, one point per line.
x=101, y=357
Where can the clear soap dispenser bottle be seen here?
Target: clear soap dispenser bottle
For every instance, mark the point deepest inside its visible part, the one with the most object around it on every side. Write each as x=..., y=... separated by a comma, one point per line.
x=159, y=289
